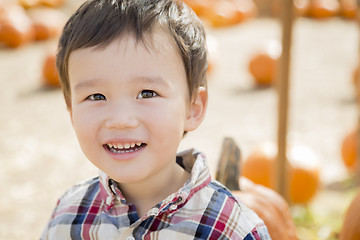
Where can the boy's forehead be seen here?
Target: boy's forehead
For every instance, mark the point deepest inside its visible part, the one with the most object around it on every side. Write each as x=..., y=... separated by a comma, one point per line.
x=155, y=44
x=156, y=41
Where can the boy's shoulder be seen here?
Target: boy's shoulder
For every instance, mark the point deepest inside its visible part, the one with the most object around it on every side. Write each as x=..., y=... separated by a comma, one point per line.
x=83, y=193
x=82, y=188
x=223, y=214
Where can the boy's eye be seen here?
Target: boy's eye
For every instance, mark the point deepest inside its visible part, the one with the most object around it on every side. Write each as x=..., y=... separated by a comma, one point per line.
x=147, y=94
x=96, y=97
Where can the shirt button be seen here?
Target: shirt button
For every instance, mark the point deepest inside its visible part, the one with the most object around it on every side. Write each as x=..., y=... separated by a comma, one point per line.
x=130, y=238
x=108, y=200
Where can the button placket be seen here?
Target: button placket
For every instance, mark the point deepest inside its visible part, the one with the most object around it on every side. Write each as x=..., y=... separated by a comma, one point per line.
x=173, y=207
x=108, y=200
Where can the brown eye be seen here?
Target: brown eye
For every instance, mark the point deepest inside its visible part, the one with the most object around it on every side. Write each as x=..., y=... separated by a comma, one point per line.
x=147, y=94
x=96, y=97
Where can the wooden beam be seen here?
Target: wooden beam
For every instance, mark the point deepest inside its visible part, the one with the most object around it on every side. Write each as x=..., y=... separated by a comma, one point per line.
x=287, y=18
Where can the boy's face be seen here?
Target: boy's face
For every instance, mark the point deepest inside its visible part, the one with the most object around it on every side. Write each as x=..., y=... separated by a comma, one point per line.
x=131, y=106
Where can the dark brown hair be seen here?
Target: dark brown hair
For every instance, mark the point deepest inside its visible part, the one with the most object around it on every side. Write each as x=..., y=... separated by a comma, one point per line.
x=98, y=22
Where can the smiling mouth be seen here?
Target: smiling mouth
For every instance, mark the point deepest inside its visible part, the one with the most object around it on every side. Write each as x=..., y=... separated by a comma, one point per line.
x=124, y=148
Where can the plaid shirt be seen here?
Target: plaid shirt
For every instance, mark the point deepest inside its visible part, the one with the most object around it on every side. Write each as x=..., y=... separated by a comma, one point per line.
x=201, y=209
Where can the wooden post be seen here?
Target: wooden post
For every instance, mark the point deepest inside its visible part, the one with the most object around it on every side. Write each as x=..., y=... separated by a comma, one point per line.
x=229, y=165
x=283, y=92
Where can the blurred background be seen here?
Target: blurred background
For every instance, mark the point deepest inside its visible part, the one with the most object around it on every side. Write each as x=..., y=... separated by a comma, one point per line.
x=40, y=157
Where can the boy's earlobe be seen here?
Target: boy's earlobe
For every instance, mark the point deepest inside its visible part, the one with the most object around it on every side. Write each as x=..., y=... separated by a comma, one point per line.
x=197, y=109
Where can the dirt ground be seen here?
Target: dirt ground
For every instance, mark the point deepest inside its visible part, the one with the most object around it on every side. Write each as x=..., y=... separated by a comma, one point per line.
x=40, y=157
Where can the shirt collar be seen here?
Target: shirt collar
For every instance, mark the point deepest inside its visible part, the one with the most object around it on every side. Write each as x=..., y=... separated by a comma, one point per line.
x=191, y=160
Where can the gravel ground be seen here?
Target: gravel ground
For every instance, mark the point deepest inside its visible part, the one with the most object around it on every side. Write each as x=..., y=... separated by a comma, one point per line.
x=40, y=157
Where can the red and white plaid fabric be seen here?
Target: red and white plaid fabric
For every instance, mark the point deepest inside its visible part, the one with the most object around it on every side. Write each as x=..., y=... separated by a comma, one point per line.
x=201, y=209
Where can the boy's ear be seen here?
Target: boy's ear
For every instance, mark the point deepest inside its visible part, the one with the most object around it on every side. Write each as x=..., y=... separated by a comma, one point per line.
x=197, y=109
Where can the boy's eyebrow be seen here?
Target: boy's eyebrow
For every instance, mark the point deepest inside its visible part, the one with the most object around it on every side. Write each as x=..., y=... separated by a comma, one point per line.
x=86, y=84
x=142, y=79
x=153, y=80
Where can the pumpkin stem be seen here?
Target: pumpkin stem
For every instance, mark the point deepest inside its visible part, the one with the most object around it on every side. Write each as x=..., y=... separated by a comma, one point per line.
x=229, y=167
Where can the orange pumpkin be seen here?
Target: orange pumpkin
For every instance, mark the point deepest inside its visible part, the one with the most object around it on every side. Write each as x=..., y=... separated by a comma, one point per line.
x=36, y=3
x=302, y=166
x=28, y=3
x=258, y=166
x=223, y=13
x=348, y=150
x=50, y=73
x=199, y=6
x=351, y=224
x=348, y=8
x=323, y=8
x=263, y=65
x=269, y=206
x=47, y=22
x=15, y=26
x=52, y=3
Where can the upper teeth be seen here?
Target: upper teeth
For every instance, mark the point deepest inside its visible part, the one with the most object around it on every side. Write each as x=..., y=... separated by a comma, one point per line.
x=124, y=145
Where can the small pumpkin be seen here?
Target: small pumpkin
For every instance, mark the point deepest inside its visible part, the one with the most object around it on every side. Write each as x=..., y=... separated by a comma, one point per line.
x=47, y=22
x=303, y=171
x=351, y=224
x=199, y=6
x=50, y=74
x=52, y=3
x=323, y=8
x=223, y=13
x=348, y=8
x=263, y=64
x=28, y=3
x=348, y=150
x=269, y=206
x=15, y=26
x=36, y=3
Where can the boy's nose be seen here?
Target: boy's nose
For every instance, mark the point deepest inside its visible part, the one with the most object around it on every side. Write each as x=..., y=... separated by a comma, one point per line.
x=121, y=117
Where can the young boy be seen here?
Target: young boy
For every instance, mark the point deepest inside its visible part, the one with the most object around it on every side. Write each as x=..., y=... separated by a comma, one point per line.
x=134, y=79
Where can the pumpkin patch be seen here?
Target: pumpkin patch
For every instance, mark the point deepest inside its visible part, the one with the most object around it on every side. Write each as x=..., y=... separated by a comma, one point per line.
x=15, y=26
x=303, y=170
x=223, y=13
x=233, y=56
x=47, y=22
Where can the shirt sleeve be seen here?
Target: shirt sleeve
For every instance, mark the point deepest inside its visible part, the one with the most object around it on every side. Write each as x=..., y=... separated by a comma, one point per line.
x=44, y=235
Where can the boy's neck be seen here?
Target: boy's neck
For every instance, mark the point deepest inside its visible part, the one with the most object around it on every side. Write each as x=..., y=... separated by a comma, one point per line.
x=146, y=194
